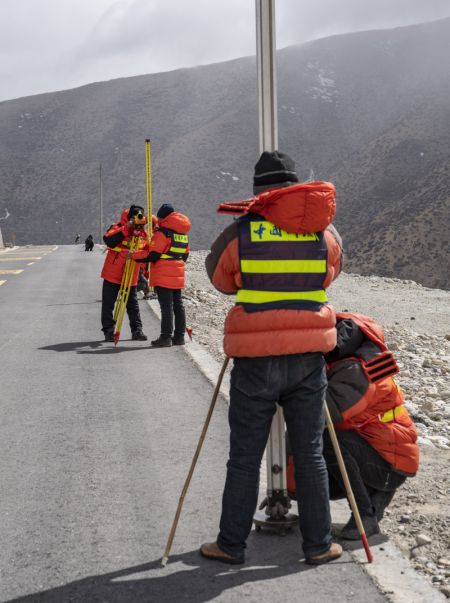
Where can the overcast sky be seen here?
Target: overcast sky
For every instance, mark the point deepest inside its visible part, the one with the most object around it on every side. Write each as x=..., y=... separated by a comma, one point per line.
x=48, y=45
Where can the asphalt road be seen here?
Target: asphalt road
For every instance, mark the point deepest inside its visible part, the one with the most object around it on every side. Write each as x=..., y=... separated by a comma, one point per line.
x=95, y=444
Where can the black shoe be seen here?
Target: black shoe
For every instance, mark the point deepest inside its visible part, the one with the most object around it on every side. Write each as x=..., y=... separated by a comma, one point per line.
x=138, y=336
x=350, y=530
x=178, y=340
x=162, y=342
x=109, y=336
x=380, y=501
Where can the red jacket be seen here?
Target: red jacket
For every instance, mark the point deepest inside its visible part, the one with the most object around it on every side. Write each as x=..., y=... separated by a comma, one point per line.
x=118, y=238
x=168, y=273
x=358, y=400
x=301, y=208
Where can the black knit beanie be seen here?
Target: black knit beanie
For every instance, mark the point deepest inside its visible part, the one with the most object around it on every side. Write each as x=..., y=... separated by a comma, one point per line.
x=164, y=211
x=274, y=169
x=135, y=209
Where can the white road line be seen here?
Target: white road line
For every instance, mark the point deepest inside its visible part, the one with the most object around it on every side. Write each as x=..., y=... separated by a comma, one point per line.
x=2, y=282
x=19, y=259
x=30, y=263
x=10, y=271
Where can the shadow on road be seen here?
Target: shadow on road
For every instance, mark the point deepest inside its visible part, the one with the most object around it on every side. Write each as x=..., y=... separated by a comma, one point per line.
x=97, y=301
x=96, y=347
x=187, y=577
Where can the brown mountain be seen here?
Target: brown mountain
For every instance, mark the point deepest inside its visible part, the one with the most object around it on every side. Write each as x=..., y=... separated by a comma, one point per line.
x=368, y=111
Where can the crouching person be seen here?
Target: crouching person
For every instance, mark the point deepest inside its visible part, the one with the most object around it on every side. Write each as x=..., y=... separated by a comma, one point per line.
x=377, y=437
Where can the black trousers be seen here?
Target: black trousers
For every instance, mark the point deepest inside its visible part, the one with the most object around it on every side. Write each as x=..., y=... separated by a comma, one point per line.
x=109, y=296
x=368, y=472
x=171, y=304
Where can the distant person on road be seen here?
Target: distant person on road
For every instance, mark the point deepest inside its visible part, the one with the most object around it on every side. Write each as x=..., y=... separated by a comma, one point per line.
x=77, y=239
x=377, y=437
x=118, y=238
x=278, y=259
x=89, y=243
x=169, y=251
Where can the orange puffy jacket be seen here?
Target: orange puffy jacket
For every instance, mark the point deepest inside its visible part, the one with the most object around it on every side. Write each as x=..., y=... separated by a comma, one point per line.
x=118, y=238
x=363, y=396
x=168, y=273
x=300, y=208
x=372, y=406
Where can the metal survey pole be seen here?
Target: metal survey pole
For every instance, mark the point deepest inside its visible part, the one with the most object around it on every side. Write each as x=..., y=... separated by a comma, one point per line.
x=267, y=83
x=278, y=503
x=101, y=202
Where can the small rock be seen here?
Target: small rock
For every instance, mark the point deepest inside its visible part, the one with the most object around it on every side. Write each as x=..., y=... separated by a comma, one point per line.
x=444, y=562
x=405, y=519
x=446, y=591
x=422, y=539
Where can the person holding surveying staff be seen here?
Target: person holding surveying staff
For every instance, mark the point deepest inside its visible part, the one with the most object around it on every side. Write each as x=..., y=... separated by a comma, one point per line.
x=169, y=251
x=118, y=238
x=278, y=259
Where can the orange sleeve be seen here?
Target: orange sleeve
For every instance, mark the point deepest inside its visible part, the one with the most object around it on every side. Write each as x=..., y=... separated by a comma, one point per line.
x=335, y=255
x=222, y=263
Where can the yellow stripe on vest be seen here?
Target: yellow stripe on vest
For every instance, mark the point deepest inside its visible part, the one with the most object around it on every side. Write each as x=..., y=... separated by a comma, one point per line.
x=178, y=249
x=179, y=238
x=247, y=296
x=391, y=415
x=284, y=266
x=263, y=232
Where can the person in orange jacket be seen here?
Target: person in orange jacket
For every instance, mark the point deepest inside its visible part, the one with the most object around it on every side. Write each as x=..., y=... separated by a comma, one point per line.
x=377, y=437
x=277, y=259
x=118, y=238
x=169, y=251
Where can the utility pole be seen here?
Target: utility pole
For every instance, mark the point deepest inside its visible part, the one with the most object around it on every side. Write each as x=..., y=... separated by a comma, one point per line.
x=276, y=514
x=101, y=202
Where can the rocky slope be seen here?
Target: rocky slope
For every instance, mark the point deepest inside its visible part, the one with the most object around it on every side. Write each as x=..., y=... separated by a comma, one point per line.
x=368, y=110
x=417, y=329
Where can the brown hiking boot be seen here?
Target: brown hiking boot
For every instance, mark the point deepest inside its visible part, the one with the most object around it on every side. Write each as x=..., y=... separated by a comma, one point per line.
x=211, y=550
x=334, y=552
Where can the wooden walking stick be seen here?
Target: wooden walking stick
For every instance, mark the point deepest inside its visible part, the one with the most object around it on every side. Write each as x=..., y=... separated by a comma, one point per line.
x=348, y=487
x=194, y=462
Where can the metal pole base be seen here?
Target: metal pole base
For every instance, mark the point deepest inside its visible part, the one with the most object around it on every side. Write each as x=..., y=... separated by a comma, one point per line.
x=280, y=525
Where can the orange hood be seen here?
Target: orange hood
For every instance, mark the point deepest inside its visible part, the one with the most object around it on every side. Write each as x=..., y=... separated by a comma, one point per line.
x=303, y=207
x=124, y=216
x=177, y=222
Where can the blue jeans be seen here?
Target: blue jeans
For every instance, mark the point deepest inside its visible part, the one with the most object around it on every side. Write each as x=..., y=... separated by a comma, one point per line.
x=298, y=383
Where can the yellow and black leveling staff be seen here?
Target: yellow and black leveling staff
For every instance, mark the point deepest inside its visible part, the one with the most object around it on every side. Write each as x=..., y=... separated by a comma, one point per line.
x=148, y=180
x=148, y=174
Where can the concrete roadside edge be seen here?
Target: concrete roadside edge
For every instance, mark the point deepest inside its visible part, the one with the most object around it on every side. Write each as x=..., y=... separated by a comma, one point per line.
x=390, y=570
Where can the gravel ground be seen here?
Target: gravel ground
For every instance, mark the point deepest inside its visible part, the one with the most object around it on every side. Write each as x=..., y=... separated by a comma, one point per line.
x=417, y=328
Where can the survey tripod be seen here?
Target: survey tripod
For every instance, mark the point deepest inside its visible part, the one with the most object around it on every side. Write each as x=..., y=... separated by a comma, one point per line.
x=124, y=291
